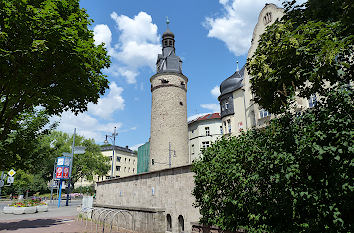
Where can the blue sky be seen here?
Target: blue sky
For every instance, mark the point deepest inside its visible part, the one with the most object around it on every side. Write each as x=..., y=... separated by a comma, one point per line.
x=210, y=37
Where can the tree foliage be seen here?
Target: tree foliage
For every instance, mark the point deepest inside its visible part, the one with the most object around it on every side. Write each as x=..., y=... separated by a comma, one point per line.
x=17, y=151
x=47, y=58
x=86, y=165
x=295, y=175
x=306, y=51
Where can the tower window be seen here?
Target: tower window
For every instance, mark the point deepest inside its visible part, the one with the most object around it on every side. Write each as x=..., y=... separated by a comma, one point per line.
x=182, y=83
x=226, y=105
x=165, y=42
x=229, y=125
x=181, y=103
x=164, y=81
x=170, y=43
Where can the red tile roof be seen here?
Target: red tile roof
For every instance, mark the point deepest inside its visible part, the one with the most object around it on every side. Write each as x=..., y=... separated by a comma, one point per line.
x=207, y=117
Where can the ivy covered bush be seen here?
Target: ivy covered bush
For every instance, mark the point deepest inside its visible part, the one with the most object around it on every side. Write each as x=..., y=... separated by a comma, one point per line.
x=295, y=175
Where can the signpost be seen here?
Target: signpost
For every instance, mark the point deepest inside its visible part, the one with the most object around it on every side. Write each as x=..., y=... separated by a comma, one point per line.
x=62, y=173
x=10, y=179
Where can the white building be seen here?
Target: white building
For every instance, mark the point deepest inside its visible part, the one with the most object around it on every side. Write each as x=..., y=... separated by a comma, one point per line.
x=125, y=161
x=202, y=132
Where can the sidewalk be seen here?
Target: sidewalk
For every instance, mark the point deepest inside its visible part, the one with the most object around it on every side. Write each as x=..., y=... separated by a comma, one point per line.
x=55, y=220
x=39, y=225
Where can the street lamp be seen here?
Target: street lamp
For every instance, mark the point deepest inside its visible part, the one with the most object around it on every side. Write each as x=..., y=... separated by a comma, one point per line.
x=112, y=137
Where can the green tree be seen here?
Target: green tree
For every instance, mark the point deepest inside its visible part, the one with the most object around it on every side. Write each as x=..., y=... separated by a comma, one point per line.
x=296, y=175
x=86, y=165
x=306, y=51
x=18, y=149
x=47, y=58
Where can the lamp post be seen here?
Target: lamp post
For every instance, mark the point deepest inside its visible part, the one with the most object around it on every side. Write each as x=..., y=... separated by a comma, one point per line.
x=112, y=137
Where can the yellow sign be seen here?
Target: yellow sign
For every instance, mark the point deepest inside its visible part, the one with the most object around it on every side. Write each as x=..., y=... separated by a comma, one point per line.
x=11, y=172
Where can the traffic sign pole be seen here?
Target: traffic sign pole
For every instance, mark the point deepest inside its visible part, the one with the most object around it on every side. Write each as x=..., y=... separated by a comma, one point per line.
x=59, y=198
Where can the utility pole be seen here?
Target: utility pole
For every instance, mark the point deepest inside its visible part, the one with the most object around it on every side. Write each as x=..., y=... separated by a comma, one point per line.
x=113, y=136
x=71, y=166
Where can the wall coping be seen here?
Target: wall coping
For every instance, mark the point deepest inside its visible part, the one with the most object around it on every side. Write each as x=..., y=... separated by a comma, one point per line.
x=141, y=209
x=144, y=174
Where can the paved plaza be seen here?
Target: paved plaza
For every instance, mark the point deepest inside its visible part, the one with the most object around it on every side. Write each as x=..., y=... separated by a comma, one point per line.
x=55, y=220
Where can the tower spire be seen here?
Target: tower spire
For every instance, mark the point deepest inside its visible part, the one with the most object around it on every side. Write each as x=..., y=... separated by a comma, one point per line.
x=167, y=22
x=237, y=69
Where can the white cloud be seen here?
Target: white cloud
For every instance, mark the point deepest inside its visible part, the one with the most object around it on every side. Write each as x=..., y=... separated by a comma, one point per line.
x=215, y=91
x=212, y=107
x=135, y=147
x=102, y=34
x=235, y=26
x=137, y=47
x=107, y=105
x=85, y=125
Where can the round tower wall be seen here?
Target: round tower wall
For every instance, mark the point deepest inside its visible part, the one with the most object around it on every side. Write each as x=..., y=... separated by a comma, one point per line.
x=168, y=121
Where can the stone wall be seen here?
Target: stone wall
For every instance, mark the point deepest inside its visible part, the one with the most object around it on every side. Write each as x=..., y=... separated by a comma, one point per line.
x=168, y=190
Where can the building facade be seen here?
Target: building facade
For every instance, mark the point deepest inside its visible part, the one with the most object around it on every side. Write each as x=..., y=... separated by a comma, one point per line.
x=125, y=161
x=202, y=132
x=169, y=130
x=238, y=110
x=143, y=158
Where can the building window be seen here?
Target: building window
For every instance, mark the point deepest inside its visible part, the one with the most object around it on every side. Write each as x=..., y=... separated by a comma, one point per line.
x=125, y=160
x=226, y=105
x=263, y=113
x=108, y=177
x=207, y=131
x=129, y=169
x=205, y=144
x=129, y=161
x=110, y=158
x=312, y=101
x=180, y=223
x=118, y=158
x=133, y=170
x=134, y=161
x=125, y=169
x=169, y=222
x=221, y=132
x=118, y=168
x=193, y=149
x=229, y=126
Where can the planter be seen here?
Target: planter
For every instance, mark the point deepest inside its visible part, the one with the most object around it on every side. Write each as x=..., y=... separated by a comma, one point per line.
x=8, y=209
x=30, y=209
x=42, y=208
x=19, y=210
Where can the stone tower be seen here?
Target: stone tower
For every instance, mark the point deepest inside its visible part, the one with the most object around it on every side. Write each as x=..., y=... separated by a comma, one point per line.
x=169, y=128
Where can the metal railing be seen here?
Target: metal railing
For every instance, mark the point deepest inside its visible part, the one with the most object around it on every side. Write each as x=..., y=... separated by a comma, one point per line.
x=103, y=216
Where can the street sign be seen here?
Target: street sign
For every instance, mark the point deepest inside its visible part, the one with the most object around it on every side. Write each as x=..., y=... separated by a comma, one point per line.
x=10, y=179
x=1, y=183
x=60, y=161
x=66, y=173
x=11, y=172
x=59, y=173
x=66, y=154
x=79, y=150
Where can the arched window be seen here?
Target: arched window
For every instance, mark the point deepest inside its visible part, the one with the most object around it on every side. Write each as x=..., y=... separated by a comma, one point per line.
x=180, y=223
x=169, y=222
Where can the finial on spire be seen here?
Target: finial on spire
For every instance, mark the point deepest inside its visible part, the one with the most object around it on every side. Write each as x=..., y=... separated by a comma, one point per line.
x=167, y=21
x=237, y=69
